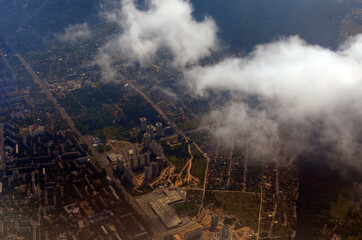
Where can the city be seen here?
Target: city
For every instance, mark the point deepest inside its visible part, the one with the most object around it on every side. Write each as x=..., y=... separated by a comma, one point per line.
x=180, y=120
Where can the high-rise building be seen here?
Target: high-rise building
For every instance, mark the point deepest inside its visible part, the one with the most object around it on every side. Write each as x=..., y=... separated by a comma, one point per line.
x=1, y=227
x=44, y=175
x=150, y=130
x=214, y=221
x=130, y=176
x=156, y=148
x=120, y=164
x=159, y=161
x=16, y=175
x=143, y=122
x=225, y=232
x=146, y=140
x=141, y=160
x=134, y=162
x=159, y=129
x=147, y=159
x=154, y=167
x=135, y=157
x=165, y=163
x=136, y=150
x=148, y=173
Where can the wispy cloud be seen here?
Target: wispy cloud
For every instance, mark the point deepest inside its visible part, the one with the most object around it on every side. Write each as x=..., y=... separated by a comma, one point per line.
x=74, y=33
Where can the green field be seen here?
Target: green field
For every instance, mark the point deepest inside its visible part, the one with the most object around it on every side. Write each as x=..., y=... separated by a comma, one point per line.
x=177, y=155
x=189, y=125
x=339, y=210
x=198, y=164
x=113, y=133
x=191, y=205
x=245, y=207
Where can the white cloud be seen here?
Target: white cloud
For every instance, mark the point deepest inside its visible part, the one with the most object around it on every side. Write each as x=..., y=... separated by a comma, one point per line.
x=74, y=33
x=312, y=92
x=165, y=24
x=306, y=88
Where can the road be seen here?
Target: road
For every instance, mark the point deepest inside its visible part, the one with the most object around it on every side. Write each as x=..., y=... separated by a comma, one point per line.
x=276, y=192
x=261, y=193
x=6, y=62
x=230, y=163
x=205, y=179
x=216, y=190
x=2, y=153
x=260, y=208
x=245, y=164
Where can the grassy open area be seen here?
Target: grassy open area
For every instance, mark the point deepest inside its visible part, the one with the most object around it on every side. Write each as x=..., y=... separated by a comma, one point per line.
x=189, y=125
x=339, y=210
x=191, y=205
x=178, y=154
x=114, y=133
x=245, y=207
x=198, y=164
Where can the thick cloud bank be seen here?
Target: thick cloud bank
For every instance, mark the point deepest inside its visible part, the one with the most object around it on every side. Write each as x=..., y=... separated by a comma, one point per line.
x=313, y=93
x=74, y=33
x=164, y=24
x=309, y=96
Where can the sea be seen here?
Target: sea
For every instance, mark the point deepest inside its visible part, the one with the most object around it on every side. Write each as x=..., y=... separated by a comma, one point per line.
x=245, y=23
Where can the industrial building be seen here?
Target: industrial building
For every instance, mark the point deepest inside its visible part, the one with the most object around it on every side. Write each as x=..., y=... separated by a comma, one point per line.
x=195, y=233
x=164, y=211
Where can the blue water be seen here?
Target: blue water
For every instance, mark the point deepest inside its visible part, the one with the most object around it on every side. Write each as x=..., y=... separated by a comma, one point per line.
x=245, y=23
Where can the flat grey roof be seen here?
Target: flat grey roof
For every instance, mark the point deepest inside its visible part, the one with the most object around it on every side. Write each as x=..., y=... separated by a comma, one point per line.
x=165, y=212
x=163, y=209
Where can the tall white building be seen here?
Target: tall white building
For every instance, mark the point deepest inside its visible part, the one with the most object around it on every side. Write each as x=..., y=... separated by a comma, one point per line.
x=159, y=129
x=154, y=167
x=129, y=175
x=135, y=158
x=150, y=130
x=120, y=164
x=143, y=123
x=214, y=220
x=146, y=140
x=225, y=232
x=148, y=173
